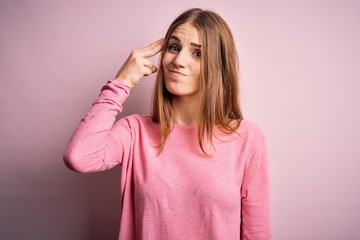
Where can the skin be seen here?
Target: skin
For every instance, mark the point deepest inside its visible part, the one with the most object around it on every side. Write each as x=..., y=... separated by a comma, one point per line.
x=138, y=65
x=181, y=64
x=181, y=69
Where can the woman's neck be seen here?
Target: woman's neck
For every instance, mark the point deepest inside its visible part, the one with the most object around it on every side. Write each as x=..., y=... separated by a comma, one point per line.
x=184, y=110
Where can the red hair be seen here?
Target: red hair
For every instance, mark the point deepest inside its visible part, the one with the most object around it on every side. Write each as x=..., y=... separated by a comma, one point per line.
x=218, y=103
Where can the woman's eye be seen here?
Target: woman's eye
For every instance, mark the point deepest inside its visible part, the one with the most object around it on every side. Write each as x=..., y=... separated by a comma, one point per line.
x=197, y=54
x=173, y=48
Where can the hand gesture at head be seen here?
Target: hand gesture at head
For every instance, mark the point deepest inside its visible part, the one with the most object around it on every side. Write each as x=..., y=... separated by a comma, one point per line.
x=138, y=65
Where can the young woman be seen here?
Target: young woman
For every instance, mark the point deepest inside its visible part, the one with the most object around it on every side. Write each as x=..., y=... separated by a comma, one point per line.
x=194, y=169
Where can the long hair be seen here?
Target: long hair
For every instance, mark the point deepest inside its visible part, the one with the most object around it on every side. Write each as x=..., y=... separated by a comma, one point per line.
x=218, y=103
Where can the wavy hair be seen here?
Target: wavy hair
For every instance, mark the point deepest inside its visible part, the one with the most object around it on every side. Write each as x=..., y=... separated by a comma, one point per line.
x=218, y=100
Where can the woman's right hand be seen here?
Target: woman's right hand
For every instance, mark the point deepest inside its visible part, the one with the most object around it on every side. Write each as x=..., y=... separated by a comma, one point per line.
x=138, y=65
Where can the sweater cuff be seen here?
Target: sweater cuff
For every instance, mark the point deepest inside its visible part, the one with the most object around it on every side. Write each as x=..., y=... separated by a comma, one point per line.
x=120, y=83
x=115, y=91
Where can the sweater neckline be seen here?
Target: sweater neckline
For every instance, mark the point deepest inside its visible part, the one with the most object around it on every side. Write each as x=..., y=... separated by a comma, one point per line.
x=183, y=126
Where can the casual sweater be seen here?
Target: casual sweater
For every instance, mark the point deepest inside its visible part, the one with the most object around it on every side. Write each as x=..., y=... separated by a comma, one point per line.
x=177, y=193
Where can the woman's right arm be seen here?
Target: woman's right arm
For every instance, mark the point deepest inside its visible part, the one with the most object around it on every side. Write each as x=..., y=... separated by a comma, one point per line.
x=99, y=144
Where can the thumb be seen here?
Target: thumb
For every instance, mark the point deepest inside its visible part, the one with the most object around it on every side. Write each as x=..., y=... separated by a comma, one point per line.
x=153, y=69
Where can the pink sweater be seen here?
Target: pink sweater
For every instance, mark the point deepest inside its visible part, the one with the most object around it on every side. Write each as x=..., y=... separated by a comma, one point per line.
x=179, y=194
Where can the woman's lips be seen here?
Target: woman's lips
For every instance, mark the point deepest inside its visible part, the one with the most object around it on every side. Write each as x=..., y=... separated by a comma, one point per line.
x=177, y=73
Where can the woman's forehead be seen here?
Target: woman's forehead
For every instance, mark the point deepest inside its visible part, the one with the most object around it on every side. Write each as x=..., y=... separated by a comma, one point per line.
x=186, y=32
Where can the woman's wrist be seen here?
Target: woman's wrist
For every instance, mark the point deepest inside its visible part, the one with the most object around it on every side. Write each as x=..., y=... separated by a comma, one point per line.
x=124, y=82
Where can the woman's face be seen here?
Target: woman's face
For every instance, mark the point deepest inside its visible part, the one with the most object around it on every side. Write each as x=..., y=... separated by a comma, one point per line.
x=181, y=61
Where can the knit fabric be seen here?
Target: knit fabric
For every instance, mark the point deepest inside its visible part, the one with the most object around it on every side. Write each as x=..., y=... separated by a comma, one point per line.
x=178, y=193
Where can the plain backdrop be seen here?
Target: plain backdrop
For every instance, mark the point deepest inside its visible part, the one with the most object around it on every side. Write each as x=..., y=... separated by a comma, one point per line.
x=300, y=63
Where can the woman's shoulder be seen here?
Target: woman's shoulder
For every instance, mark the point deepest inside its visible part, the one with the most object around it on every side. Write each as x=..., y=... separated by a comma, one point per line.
x=251, y=130
x=137, y=121
x=142, y=127
x=247, y=132
x=250, y=126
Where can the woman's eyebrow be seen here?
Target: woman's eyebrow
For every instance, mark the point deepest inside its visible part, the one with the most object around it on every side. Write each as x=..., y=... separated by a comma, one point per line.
x=177, y=39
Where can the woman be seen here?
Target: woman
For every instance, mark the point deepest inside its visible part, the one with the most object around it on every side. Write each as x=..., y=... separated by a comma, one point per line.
x=195, y=169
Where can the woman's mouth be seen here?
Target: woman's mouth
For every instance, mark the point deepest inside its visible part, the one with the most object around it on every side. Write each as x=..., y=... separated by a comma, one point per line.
x=177, y=73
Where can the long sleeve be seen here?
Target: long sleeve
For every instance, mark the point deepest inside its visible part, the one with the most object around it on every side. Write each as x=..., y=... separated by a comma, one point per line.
x=99, y=144
x=255, y=194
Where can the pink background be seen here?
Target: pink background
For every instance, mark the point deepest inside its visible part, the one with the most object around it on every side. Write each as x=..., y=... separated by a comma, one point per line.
x=300, y=64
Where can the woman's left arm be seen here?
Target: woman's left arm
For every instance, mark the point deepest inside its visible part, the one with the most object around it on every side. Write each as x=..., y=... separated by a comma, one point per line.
x=255, y=193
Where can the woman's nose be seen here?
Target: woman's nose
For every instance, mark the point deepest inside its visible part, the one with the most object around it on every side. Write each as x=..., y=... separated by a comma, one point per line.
x=180, y=59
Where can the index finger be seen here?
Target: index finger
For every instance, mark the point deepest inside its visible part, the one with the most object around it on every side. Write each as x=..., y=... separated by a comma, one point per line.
x=152, y=49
